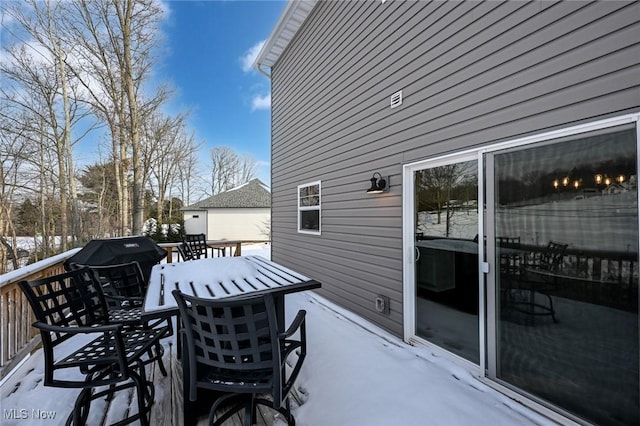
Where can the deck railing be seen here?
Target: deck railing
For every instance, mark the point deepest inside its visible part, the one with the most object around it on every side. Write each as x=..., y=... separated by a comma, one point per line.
x=608, y=278
x=17, y=337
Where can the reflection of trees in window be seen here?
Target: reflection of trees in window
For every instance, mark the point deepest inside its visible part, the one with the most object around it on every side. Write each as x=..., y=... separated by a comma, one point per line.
x=445, y=190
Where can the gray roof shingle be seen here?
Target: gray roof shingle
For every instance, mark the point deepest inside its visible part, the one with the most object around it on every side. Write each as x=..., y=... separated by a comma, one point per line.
x=249, y=195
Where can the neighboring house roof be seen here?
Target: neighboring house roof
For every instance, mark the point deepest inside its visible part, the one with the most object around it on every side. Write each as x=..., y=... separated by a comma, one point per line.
x=290, y=21
x=615, y=188
x=249, y=195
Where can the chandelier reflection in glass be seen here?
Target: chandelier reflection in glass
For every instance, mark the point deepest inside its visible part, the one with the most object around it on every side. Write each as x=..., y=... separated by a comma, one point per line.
x=599, y=179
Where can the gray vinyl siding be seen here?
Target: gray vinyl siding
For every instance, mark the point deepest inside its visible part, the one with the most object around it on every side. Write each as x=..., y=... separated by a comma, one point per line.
x=472, y=74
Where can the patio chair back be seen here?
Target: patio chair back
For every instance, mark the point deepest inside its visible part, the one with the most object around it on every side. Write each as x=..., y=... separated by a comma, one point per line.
x=185, y=252
x=62, y=304
x=234, y=346
x=123, y=284
x=71, y=299
x=509, y=260
x=124, y=288
x=197, y=244
x=537, y=281
x=70, y=309
x=551, y=258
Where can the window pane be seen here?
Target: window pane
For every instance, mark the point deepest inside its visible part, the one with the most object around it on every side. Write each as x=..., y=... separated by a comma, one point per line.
x=446, y=200
x=567, y=246
x=313, y=190
x=309, y=196
x=310, y=220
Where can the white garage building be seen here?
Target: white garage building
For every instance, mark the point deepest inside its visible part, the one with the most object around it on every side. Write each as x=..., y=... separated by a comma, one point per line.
x=241, y=213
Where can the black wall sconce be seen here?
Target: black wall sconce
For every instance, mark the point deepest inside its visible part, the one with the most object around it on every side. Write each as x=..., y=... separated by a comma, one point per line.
x=378, y=184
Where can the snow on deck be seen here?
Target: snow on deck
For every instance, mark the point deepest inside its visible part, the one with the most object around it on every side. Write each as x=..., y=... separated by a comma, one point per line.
x=354, y=374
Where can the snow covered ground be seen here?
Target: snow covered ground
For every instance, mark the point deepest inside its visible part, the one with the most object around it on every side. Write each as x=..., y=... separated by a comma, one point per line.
x=606, y=222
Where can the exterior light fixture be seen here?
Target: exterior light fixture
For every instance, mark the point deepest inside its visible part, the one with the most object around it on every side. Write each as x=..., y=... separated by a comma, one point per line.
x=598, y=178
x=620, y=179
x=378, y=184
x=565, y=181
x=556, y=183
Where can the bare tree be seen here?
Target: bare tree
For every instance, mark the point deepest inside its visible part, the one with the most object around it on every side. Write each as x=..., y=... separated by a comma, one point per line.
x=37, y=67
x=228, y=169
x=248, y=168
x=69, y=59
x=187, y=184
x=114, y=41
x=224, y=163
x=13, y=150
x=167, y=148
x=436, y=186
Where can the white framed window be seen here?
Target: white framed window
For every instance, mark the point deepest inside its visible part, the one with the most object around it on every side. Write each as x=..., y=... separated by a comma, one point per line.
x=309, y=206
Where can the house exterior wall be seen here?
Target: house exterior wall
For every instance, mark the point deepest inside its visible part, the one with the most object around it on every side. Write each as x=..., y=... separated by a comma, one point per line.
x=472, y=74
x=237, y=223
x=195, y=221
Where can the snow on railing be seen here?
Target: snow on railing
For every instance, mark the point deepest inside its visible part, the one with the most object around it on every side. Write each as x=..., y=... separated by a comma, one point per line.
x=17, y=337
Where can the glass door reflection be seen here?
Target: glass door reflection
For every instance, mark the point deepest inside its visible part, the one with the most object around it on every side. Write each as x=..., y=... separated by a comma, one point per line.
x=446, y=242
x=566, y=226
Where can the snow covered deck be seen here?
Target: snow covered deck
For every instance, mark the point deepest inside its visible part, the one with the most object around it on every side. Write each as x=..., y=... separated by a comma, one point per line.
x=355, y=374
x=26, y=400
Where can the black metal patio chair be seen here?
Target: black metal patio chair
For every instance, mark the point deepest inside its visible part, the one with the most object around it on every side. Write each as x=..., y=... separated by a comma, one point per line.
x=197, y=244
x=510, y=257
x=124, y=288
x=72, y=316
x=185, y=252
x=234, y=346
x=197, y=247
x=537, y=279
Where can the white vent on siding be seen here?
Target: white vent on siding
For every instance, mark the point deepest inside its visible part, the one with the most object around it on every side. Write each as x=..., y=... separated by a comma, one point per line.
x=396, y=99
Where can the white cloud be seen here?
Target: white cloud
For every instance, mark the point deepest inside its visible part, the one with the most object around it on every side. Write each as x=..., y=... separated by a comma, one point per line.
x=250, y=56
x=261, y=102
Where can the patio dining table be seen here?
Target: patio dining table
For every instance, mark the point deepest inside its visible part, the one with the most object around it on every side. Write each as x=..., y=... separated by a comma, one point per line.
x=219, y=278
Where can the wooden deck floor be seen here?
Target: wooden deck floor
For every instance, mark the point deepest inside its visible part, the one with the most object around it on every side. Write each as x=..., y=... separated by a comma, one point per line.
x=166, y=411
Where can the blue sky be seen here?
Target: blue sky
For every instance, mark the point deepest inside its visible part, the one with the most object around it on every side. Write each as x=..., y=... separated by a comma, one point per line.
x=206, y=57
x=208, y=46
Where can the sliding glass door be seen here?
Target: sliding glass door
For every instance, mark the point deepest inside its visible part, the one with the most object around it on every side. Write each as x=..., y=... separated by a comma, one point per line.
x=445, y=239
x=565, y=229
x=522, y=259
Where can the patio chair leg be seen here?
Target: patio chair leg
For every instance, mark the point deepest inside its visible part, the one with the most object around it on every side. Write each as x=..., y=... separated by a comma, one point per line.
x=163, y=370
x=290, y=419
x=112, y=388
x=81, y=407
x=231, y=411
x=284, y=410
x=145, y=398
x=159, y=351
x=250, y=411
x=553, y=312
